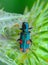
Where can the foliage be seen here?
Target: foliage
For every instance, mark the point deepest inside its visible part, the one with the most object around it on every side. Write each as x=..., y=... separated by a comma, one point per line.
x=9, y=30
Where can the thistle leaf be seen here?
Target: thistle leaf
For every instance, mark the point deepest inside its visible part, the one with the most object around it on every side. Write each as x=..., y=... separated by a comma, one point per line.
x=9, y=30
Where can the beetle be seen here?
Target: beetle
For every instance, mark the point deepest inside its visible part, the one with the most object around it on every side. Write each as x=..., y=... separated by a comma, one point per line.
x=25, y=37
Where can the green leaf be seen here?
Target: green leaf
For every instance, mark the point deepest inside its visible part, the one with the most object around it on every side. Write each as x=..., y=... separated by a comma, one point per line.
x=9, y=29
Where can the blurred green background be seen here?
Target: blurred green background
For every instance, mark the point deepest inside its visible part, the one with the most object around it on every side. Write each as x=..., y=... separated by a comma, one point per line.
x=1, y=63
x=17, y=6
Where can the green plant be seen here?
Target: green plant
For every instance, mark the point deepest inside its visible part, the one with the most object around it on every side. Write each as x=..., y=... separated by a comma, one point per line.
x=9, y=47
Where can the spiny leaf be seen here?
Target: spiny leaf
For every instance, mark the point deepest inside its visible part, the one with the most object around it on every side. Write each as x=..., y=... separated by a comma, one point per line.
x=44, y=49
x=38, y=19
x=6, y=59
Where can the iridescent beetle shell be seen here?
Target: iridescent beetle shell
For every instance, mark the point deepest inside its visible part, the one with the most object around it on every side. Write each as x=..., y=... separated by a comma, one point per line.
x=25, y=37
